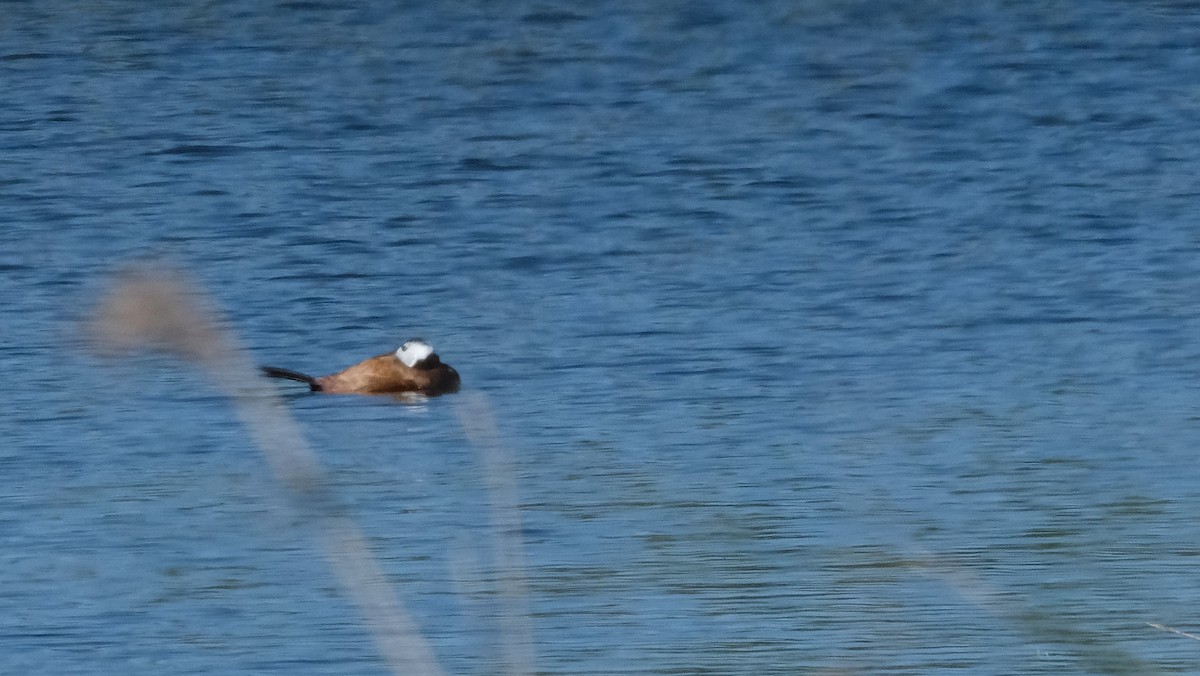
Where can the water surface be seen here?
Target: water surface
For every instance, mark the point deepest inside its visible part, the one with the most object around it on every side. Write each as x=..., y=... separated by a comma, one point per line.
x=826, y=338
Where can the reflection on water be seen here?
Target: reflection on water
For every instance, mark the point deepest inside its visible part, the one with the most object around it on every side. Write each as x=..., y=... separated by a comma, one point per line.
x=833, y=339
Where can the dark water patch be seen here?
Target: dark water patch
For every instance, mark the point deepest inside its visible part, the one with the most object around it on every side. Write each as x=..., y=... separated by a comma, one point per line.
x=198, y=150
x=502, y=138
x=484, y=164
x=312, y=6
x=30, y=56
x=553, y=17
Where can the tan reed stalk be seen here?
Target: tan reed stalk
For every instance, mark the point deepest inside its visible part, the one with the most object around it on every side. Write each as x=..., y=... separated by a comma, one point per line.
x=157, y=308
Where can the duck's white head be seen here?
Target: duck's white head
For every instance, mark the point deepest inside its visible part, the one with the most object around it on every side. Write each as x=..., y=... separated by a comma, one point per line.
x=414, y=352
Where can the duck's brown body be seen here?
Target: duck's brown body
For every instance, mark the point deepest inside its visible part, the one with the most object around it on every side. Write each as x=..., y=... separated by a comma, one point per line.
x=385, y=374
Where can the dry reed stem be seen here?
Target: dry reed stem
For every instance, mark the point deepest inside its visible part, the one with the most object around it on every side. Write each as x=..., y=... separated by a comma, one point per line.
x=499, y=473
x=1173, y=630
x=156, y=308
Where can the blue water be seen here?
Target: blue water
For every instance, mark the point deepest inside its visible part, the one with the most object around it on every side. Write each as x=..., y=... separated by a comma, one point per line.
x=825, y=337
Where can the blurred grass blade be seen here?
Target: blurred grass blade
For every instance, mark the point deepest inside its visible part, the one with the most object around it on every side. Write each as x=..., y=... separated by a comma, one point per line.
x=158, y=308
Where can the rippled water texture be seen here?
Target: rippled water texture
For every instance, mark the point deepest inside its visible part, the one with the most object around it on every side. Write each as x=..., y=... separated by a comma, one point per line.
x=823, y=337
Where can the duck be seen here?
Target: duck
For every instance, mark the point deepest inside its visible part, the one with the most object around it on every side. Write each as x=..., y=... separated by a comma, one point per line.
x=413, y=368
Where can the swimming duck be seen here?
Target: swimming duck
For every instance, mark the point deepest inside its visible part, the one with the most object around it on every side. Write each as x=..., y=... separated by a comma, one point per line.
x=413, y=367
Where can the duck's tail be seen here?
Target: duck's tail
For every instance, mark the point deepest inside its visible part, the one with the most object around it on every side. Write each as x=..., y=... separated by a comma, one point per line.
x=288, y=374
